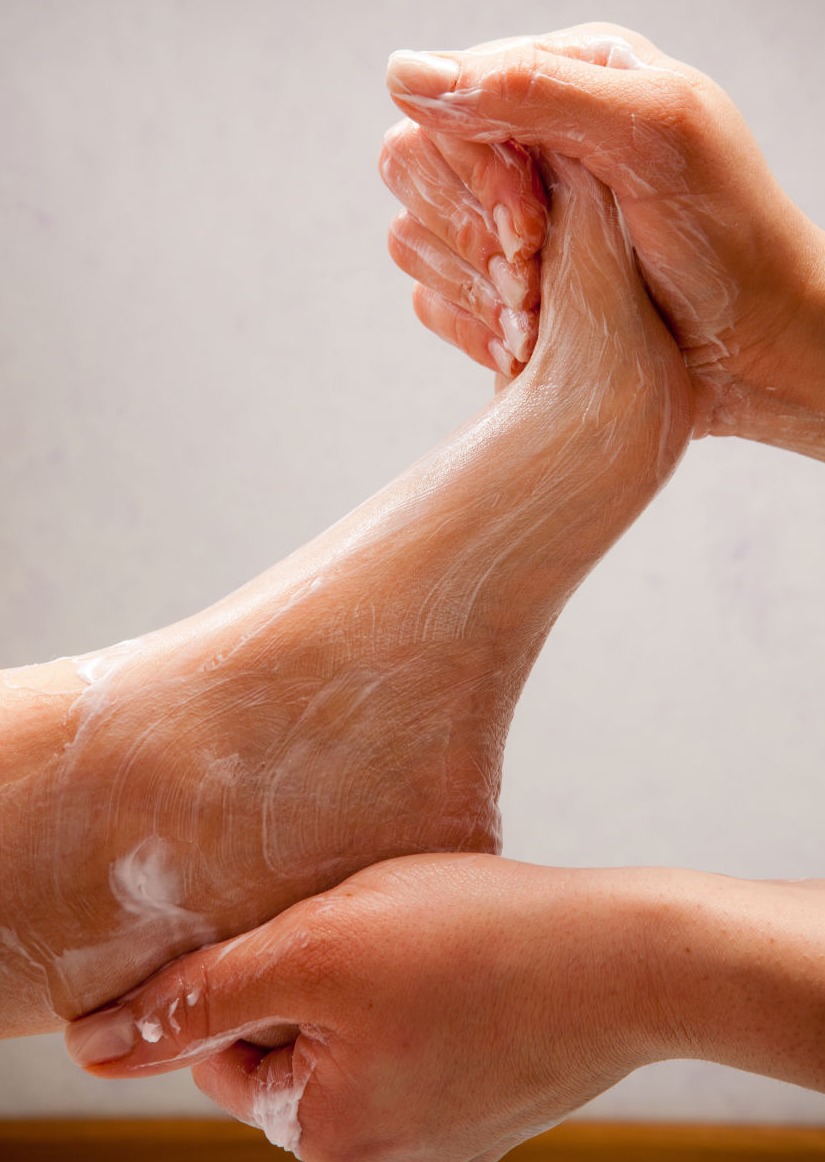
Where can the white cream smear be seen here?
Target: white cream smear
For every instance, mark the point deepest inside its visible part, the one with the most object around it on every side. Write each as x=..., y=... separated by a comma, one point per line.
x=617, y=53
x=95, y=666
x=149, y=1030
x=144, y=883
x=275, y=1111
x=147, y=884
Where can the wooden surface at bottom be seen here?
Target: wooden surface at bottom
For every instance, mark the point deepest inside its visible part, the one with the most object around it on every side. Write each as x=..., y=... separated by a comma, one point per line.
x=223, y=1141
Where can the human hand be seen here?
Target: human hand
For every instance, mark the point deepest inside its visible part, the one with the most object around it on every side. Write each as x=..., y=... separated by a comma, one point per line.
x=736, y=270
x=448, y=1006
x=433, y=1007
x=474, y=222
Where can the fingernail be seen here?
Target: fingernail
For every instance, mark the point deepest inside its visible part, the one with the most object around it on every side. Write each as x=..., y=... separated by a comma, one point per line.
x=507, y=236
x=518, y=331
x=508, y=284
x=421, y=73
x=503, y=359
x=102, y=1037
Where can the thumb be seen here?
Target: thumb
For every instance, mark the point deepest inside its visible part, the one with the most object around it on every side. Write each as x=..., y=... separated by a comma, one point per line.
x=577, y=93
x=248, y=988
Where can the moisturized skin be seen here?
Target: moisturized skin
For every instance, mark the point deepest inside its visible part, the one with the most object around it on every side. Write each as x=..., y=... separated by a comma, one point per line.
x=443, y=1008
x=555, y=465
x=736, y=270
x=453, y=186
x=417, y=1015
x=352, y=704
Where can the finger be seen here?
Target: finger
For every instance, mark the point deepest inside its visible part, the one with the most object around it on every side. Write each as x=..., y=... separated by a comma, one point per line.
x=249, y=987
x=258, y=1088
x=506, y=184
x=461, y=329
x=230, y=1078
x=579, y=93
x=421, y=255
x=501, y=177
x=415, y=171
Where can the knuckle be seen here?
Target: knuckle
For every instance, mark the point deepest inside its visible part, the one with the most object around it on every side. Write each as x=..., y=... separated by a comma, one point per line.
x=399, y=135
x=608, y=28
x=466, y=234
x=397, y=238
x=480, y=169
x=405, y=229
x=387, y=167
x=421, y=304
x=515, y=84
x=471, y=295
x=677, y=111
x=681, y=100
x=398, y=147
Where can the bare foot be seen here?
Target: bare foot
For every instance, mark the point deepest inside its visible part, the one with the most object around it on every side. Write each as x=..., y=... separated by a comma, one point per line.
x=351, y=704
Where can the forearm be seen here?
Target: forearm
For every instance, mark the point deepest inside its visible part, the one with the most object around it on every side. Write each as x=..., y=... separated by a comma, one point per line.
x=722, y=969
x=747, y=964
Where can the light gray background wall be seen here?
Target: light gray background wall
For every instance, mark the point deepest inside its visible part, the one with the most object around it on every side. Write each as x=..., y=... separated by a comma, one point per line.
x=206, y=356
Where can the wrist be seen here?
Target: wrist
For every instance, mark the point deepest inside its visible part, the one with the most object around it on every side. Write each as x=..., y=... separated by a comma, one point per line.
x=794, y=363
x=810, y=320
x=609, y=923
x=776, y=379
x=737, y=968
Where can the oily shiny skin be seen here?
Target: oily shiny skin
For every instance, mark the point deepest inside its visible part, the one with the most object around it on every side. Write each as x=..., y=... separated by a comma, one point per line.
x=734, y=267
x=351, y=704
